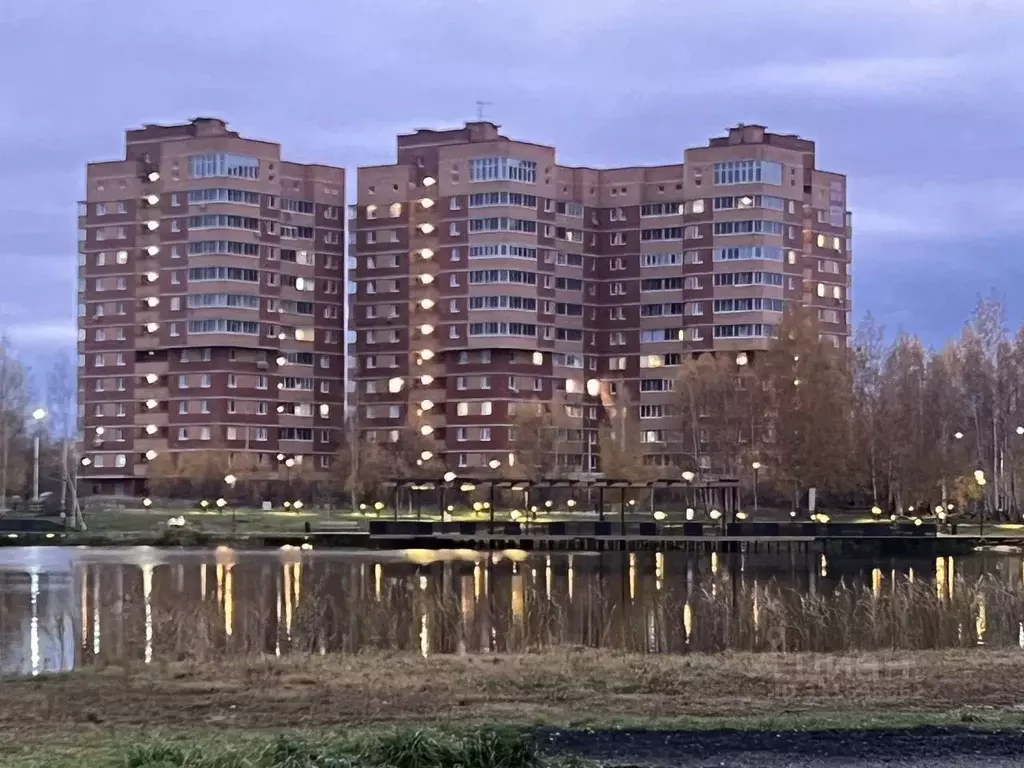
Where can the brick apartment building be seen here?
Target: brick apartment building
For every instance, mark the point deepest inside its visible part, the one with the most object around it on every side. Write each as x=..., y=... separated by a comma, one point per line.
x=211, y=305
x=483, y=273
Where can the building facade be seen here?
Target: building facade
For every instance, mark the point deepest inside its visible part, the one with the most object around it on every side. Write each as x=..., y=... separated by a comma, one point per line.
x=211, y=306
x=483, y=274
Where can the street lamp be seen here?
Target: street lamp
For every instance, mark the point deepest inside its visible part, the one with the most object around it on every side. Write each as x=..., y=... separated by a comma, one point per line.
x=756, y=466
x=230, y=480
x=38, y=415
x=979, y=478
x=692, y=496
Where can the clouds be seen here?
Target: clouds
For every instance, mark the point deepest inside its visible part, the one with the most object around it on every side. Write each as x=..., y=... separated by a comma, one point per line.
x=916, y=100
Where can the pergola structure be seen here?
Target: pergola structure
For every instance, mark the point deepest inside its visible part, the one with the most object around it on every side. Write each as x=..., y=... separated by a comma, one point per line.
x=722, y=494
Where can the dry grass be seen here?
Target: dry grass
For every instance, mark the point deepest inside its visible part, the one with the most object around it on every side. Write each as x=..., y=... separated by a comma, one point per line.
x=558, y=686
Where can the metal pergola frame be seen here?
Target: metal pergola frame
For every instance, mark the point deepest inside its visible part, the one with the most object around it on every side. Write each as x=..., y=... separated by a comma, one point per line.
x=727, y=489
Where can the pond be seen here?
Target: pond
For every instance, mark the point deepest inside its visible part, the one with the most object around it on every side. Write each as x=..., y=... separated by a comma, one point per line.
x=64, y=607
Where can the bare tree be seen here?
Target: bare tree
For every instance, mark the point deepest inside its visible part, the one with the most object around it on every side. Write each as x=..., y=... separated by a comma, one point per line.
x=61, y=396
x=13, y=403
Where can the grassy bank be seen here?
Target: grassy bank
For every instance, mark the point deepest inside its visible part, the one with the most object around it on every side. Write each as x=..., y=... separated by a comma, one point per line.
x=95, y=715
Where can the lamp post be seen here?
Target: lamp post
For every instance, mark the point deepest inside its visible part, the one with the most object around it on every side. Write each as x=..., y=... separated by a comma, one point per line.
x=38, y=415
x=231, y=480
x=979, y=478
x=756, y=466
x=494, y=464
x=688, y=478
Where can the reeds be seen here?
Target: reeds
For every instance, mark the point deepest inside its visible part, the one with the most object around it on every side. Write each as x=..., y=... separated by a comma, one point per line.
x=728, y=614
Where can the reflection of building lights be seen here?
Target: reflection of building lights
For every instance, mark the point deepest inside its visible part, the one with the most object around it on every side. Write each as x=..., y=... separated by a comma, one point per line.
x=593, y=387
x=449, y=476
x=150, y=454
x=428, y=181
x=395, y=385
x=426, y=405
x=426, y=455
x=426, y=430
x=426, y=329
x=742, y=359
x=426, y=253
x=427, y=354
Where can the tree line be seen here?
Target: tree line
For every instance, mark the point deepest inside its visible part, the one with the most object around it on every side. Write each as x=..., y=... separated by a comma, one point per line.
x=887, y=422
x=53, y=396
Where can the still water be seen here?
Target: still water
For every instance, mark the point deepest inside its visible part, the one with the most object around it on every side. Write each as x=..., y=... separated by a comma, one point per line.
x=61, y=608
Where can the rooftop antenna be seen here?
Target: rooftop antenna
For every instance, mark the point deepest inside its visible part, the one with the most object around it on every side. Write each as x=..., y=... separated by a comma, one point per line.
x=480, y=107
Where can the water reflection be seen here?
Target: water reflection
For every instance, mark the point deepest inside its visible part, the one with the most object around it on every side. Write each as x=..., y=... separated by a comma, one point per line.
x=59, y=608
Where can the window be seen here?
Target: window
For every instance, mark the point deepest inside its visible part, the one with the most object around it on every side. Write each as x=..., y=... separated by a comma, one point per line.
x=749, y=227
x=501, y=224
x=748, y=253
x=661, y=233
x=748, y=278
x=748, y=172
x=502, y=169
x=199, y=274
x=484, y=199
x=660, y=209
x=742, y=202
x=662, y=259
x=503, y=329
x=743, y=331
x=748, y=305
x=222, y=325
x=502, y=249
x=224, y=164
x=223, y=221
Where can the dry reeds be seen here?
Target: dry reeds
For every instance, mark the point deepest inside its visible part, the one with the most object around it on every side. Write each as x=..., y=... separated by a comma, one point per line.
x=726, y=615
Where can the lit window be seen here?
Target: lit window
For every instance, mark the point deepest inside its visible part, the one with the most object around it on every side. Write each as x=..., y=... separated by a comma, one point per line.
x=821, y=241
x=821, y=289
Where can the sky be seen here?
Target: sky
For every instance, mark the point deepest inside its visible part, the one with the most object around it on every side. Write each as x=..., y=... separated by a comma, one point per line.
x=917, y=101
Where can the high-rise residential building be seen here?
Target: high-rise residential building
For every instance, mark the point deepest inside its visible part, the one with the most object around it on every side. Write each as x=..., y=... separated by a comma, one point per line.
x=483, y=273
x=211, y=306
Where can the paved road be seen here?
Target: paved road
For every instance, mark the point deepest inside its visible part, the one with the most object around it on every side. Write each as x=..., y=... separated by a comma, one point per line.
x=919, y=748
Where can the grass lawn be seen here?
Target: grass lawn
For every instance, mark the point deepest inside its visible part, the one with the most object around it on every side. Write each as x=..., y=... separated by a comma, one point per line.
x=94, y=716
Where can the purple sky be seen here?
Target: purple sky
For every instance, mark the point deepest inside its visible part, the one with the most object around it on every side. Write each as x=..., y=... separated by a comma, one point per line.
x=913, y=99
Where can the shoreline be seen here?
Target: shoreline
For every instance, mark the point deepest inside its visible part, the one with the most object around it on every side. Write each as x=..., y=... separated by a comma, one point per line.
x=562, y=690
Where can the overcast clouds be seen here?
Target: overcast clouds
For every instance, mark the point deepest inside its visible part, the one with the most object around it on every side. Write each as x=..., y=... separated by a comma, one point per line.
x=918, y=101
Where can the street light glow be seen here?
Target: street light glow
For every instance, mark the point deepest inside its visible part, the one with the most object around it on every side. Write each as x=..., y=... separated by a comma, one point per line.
x=39, y=414
x=756, y=465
